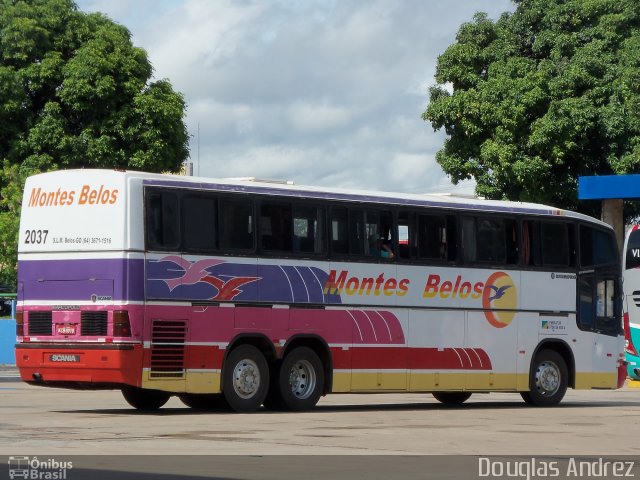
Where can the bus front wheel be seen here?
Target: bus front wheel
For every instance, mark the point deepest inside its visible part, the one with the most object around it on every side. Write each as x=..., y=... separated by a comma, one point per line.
x=245, y=379
x=144, y=399
x=548, y=381
x=300, y=380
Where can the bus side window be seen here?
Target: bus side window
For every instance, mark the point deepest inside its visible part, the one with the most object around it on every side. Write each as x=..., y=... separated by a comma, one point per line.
x=596, y=247
x=599, y=303
x=308, y=229
x=555, y=244
x=605, y=299
x=357, y=233
x=527, y=243
x=585, y=300
x=373, y=233
x=491, y=242
x=511, y=236
x=162, y=221
x=339, y=231
x=450, y=239
x=469, y=253
x=380, y=235
x=433, y=237
x=275, y=227
x=235, y=217
x=198, y=223
x=608, y=306
x=531, y=243
x=407, y=240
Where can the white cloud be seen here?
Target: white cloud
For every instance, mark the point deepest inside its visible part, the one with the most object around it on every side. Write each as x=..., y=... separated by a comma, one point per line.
x=307, y=117
x=325, y=92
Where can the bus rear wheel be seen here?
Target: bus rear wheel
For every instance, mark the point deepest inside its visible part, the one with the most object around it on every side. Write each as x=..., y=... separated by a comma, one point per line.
x=273, y=401
x=300, y=380
x=204, y=401
x=144, y=399
x=548, y=381
x=451, y=398
x=245, y=379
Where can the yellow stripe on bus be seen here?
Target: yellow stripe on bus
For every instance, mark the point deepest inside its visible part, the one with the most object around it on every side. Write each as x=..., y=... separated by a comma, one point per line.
x=587, y=380
x=191, y=382
x=343, y=382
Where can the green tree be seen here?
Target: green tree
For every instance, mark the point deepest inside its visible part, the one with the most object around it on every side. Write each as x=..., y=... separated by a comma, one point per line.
x=75, y=93
x=540, y=96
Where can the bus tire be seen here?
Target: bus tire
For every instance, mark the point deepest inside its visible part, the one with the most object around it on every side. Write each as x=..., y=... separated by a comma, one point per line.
x=301, y=379
x=273, y=401
x=548, y=380
x=245, y=379
x=451, y=398
x=205, y=401
x=144, y=399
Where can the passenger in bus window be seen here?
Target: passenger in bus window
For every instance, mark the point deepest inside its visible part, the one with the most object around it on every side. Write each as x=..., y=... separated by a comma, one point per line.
x=378, y=248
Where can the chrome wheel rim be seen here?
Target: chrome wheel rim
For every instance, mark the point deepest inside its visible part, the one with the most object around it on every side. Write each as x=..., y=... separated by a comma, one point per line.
x=547, y=378
x=246, y=378
x=302, y=379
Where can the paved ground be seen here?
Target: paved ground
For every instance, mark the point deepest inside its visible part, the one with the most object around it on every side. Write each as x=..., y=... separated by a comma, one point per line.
x=55, y=421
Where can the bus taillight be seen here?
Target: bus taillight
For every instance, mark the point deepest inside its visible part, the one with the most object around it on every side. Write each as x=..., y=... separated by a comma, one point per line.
x=121, y=325
x=20, y=323
x=628, y=343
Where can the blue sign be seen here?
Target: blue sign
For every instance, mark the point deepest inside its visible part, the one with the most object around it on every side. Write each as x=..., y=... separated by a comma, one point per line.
x=7, y=342
x=608, y=186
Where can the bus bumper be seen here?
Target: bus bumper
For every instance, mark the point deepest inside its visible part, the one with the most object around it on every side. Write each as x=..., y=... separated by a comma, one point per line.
x=87, y=366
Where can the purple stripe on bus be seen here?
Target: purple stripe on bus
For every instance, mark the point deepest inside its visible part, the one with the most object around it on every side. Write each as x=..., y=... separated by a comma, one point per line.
x=82, y=280
x=312, y=280
x=246, y=282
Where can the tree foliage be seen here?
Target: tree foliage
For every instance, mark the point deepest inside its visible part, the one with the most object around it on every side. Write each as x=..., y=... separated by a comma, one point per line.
x=75, y=93
x=539, y=97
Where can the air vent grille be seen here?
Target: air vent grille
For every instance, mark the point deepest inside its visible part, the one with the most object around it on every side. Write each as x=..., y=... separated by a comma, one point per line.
x=93, y=324
x=40, y=323
x=167, y=348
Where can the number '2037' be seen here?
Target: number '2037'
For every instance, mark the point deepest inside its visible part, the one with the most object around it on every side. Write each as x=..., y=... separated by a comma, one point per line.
x=36, y=236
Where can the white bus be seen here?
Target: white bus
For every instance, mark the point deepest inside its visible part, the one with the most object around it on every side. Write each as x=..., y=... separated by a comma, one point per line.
x=249, y=293
x=631, y=281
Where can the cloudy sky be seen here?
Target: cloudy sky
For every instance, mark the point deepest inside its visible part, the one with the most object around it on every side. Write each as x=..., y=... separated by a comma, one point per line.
x=321, y=92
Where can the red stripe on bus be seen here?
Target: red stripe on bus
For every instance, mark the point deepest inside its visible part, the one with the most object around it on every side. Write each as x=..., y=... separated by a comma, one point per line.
x=198, y=357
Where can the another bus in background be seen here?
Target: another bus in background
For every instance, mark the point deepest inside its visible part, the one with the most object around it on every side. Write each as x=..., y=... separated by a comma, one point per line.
x=631, y=303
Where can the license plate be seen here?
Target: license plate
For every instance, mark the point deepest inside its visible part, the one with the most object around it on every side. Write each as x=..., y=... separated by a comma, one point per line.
x=66, y=329
x=64, y=357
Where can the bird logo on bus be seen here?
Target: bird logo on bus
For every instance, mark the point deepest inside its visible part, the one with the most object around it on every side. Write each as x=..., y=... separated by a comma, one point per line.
x=196, y=272
x=499, y=299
